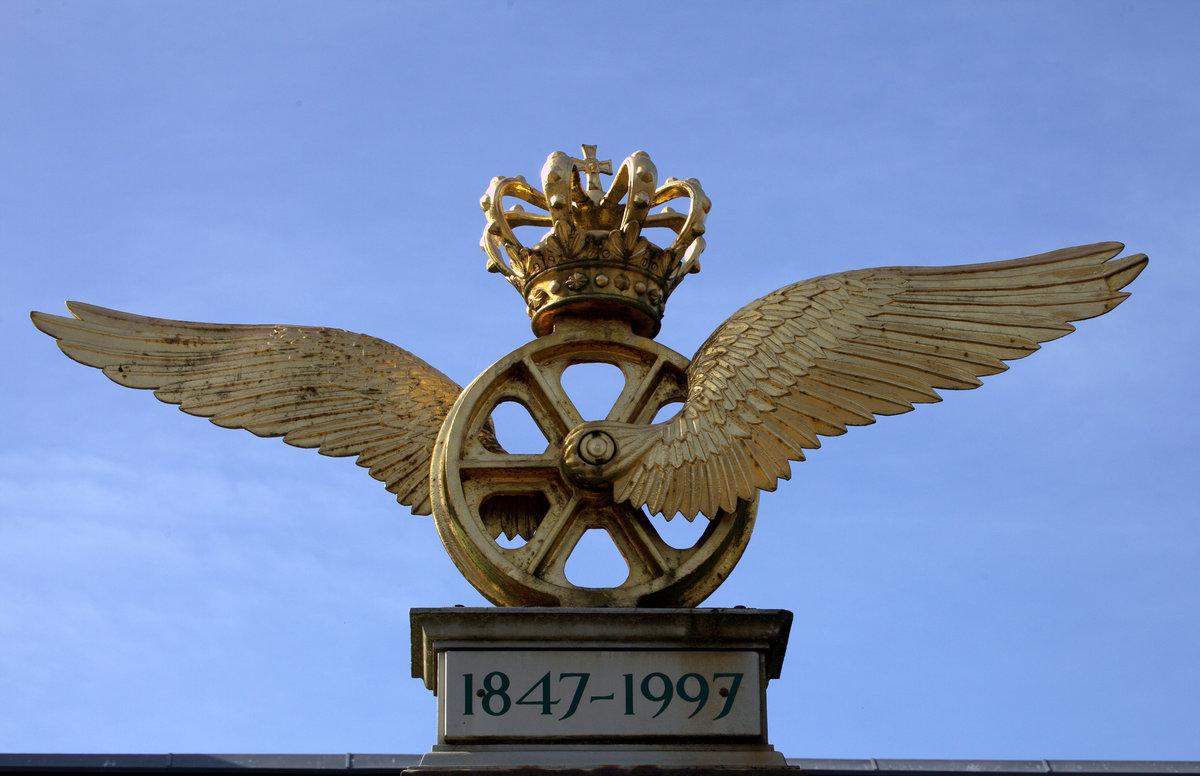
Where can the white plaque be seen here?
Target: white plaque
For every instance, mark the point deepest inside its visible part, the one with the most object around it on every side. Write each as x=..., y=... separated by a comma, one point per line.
x=498, y=695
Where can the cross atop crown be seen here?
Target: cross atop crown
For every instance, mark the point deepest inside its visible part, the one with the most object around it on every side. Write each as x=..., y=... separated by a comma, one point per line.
x=590, y=166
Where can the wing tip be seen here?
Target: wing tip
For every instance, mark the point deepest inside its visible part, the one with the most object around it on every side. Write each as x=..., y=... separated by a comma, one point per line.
x=44, y=321
x=1125, y=270
x=59, y=327
x=1107, y=246
x=81, y=311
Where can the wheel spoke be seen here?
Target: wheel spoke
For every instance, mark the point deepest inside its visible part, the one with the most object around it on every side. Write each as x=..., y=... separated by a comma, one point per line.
x=635, y=393
x=662, y=383
x=537, y=471
x=509, y=462
x=532, y=471
x=638, y=542
x=552, y=399
x=551, y=541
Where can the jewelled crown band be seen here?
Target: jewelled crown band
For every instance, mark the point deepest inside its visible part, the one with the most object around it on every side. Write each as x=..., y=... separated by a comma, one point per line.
x=594, y=259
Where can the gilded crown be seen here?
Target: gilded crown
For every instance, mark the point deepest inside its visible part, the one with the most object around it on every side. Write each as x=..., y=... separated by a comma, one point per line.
x=595, y=260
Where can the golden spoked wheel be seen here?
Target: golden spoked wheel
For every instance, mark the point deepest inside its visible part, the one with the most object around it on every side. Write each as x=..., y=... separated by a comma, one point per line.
x=481, y=492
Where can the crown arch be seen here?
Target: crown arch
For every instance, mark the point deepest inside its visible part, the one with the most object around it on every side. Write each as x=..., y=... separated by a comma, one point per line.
x=594, y=260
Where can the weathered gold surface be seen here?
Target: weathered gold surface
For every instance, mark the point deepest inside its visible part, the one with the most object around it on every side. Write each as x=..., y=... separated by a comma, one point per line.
x=551, y=498
x=815, y=357
x=806, y=361
x=595, y=259
x=340, y=392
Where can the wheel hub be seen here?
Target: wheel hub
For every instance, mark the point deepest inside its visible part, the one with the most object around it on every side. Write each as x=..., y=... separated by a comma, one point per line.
x=597, y=448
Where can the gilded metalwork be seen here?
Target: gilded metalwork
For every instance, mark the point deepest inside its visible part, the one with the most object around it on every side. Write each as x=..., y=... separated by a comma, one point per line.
x=595, y=260
x=550, y=499
x=342, y=393
x=818, y=356
x=806, y=361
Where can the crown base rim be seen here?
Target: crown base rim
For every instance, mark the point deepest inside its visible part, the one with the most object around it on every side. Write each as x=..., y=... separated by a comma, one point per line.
x=643, y=320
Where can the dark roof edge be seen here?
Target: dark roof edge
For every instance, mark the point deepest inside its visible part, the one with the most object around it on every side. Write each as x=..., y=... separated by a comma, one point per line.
x=395, y=763
x=891, y=767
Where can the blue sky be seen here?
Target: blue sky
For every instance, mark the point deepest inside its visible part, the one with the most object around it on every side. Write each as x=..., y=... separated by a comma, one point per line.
x=1014, y=573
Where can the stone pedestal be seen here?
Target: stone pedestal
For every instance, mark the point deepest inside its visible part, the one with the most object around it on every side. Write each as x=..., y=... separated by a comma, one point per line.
x=584, y=688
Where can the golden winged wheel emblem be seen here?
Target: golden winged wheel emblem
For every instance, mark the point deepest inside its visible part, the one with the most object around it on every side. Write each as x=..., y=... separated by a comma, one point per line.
x=802, y=362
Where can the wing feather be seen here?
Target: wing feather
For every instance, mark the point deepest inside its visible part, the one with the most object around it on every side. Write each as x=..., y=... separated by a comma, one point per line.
x=816, y=357
x=345, y=394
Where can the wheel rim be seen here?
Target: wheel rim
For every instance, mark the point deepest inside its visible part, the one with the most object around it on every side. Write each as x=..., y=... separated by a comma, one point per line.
x=479, y=490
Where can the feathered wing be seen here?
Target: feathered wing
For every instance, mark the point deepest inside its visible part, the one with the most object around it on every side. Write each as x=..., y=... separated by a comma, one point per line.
x=340, y=392
x=815, y=357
